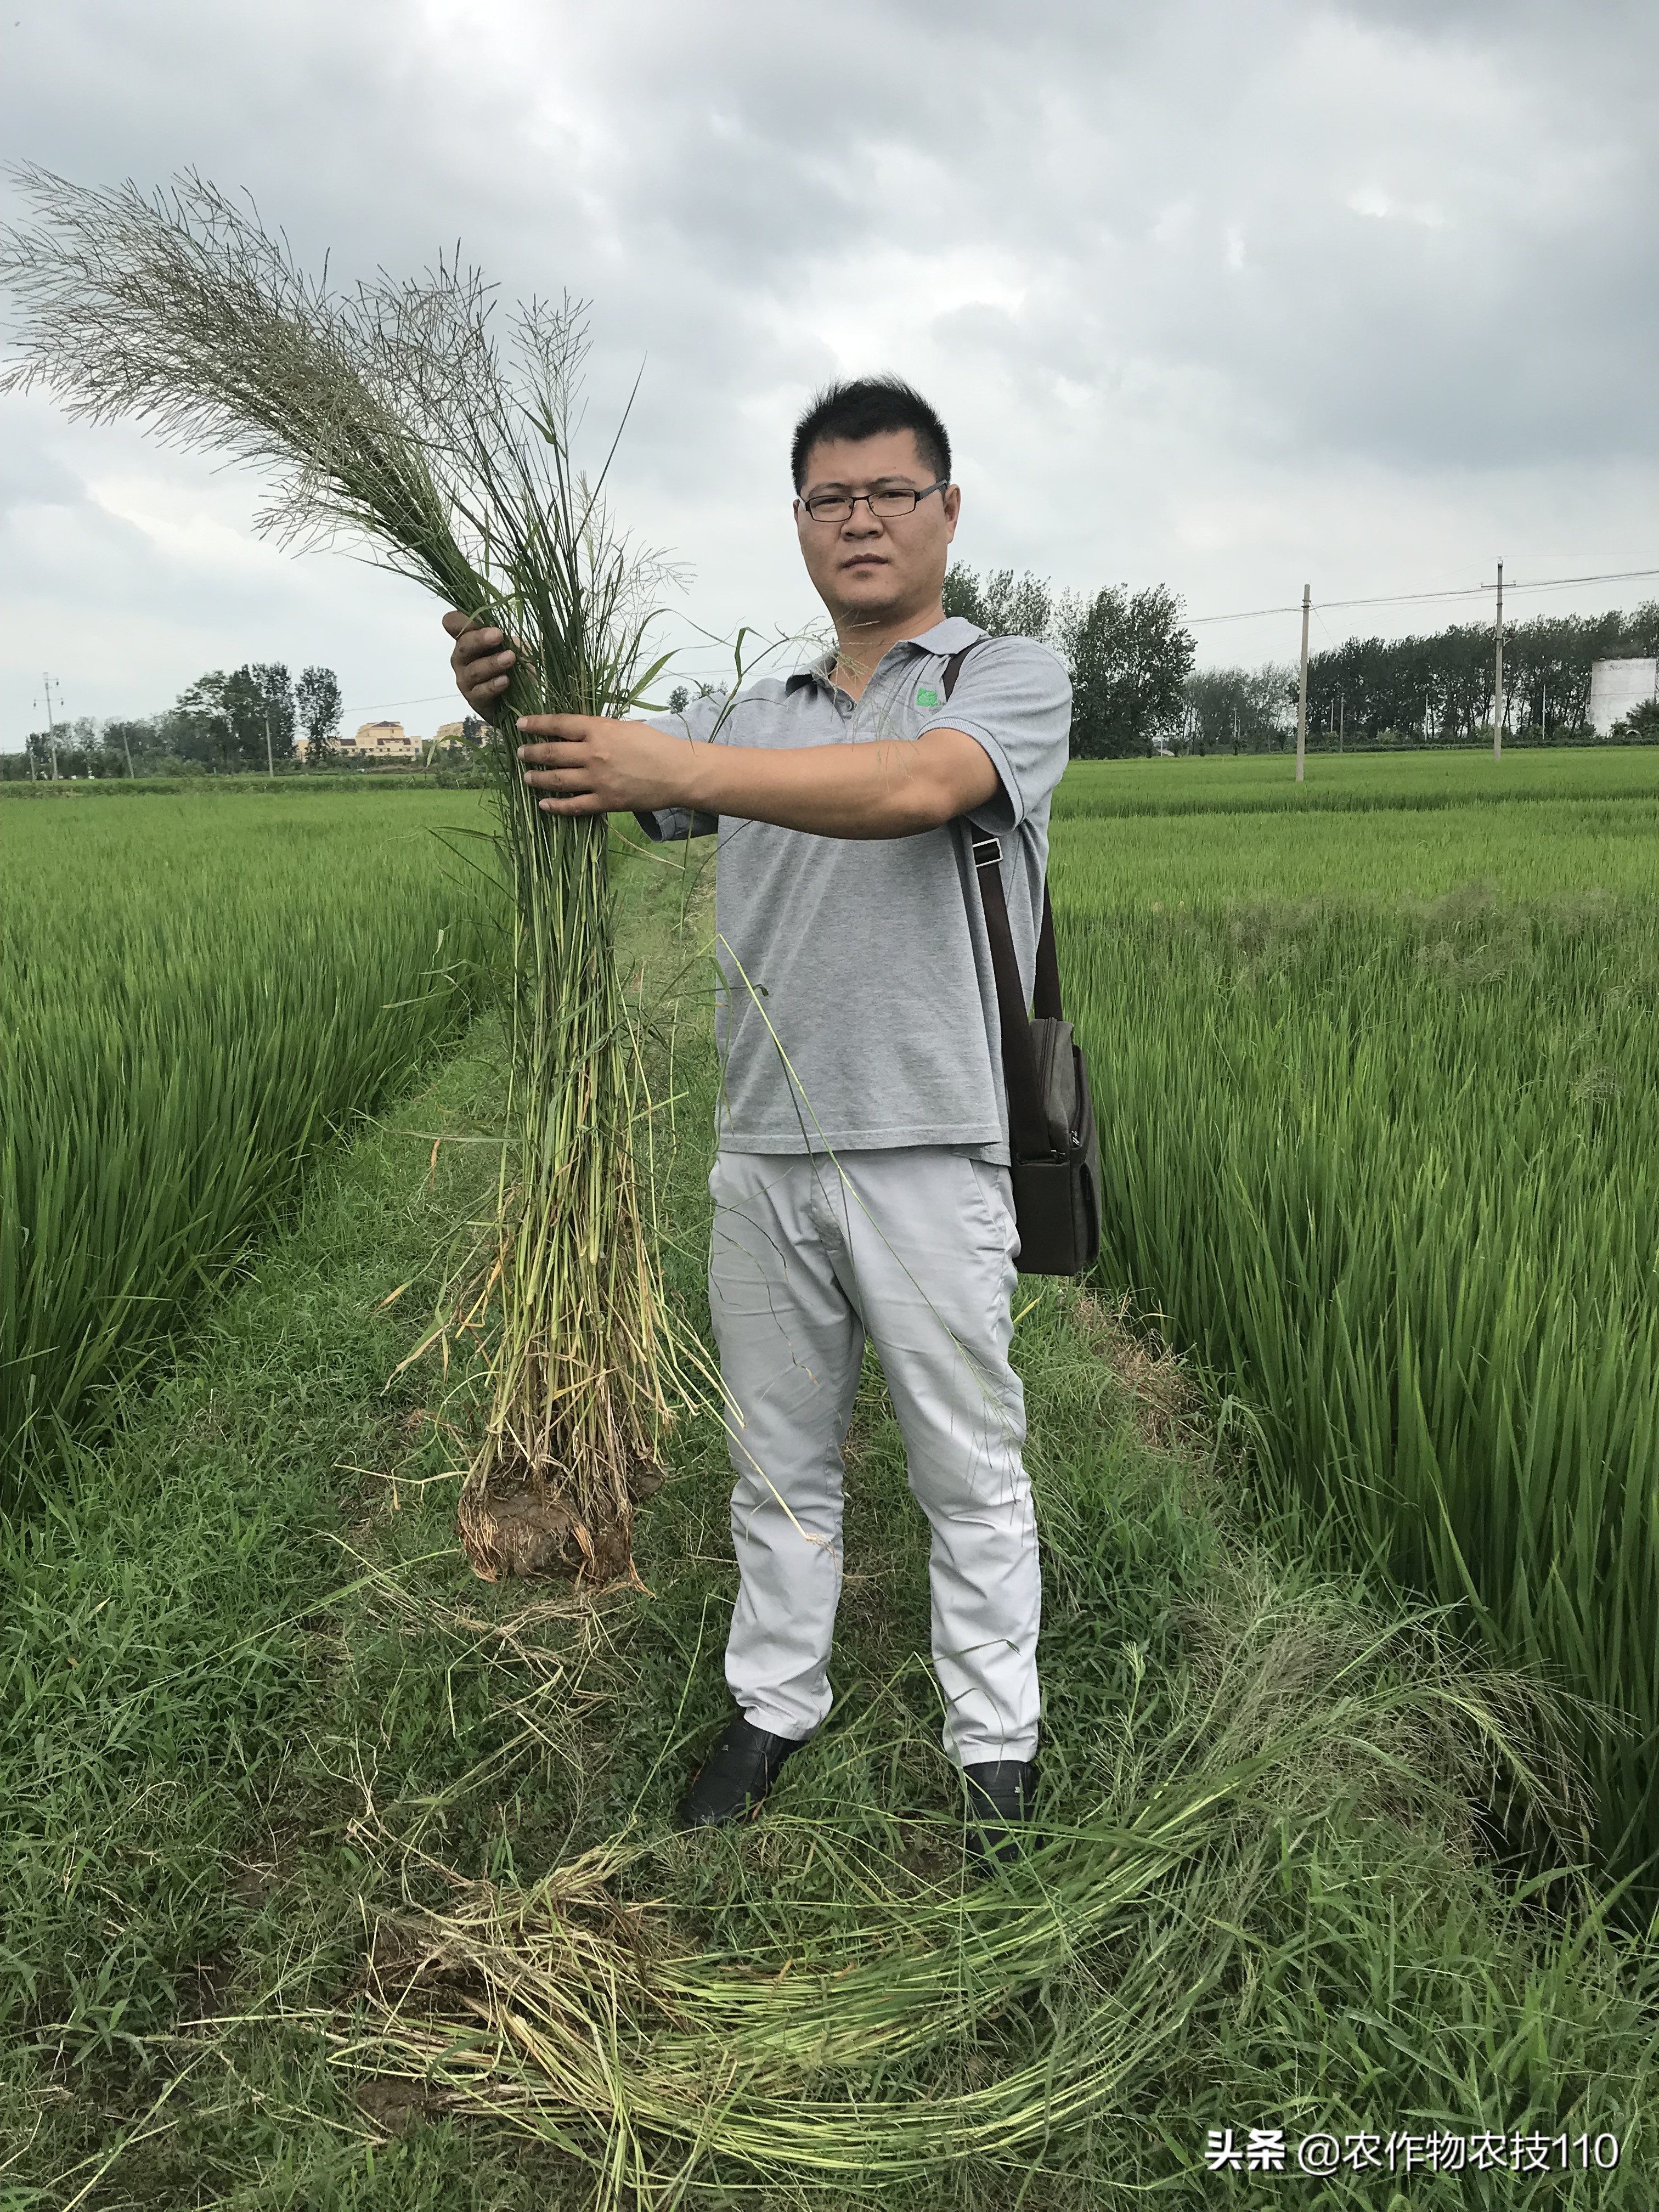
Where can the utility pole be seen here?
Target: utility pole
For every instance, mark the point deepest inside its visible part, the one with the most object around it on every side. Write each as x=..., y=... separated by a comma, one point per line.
x=1302, y=695
x=1497, y=677
x=127, y=750
x=270, y=770
x=1341, y=705
x=52, y=726
x=1544, y=714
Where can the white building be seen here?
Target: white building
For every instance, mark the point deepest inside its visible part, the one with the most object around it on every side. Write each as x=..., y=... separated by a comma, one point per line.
x=1619, y=686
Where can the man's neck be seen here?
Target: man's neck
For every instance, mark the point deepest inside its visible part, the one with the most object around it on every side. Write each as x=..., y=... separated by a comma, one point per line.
x=860, y=645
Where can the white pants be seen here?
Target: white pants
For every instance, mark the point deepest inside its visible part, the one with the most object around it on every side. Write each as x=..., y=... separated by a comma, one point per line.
x=915, y=1249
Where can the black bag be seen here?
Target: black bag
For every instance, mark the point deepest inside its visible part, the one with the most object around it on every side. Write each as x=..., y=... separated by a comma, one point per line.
x=1053, y=1150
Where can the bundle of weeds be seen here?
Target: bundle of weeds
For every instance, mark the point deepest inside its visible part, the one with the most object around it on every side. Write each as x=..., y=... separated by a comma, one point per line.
x=855, y=2014
x=391, y=413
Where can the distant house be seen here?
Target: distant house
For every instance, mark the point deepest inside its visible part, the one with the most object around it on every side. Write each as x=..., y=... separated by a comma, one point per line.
x=381, y=741
x=1619, y=686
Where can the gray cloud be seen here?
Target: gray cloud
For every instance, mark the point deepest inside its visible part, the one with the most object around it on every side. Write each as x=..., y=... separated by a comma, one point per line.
x=1231, y=296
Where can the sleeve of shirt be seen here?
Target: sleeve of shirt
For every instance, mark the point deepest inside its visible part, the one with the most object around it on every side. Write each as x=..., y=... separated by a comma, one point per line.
x=670, y=826
x=1014, y=698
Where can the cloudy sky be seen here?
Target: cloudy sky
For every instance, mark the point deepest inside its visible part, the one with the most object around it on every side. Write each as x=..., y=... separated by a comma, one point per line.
x=1229, y=293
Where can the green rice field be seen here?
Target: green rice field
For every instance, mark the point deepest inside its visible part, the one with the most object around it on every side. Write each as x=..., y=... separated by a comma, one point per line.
x=1376, y=1070
x=198, y=991
x=335, y=1877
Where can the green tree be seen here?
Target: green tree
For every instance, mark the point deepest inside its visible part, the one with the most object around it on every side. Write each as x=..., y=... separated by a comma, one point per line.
x=79, y=753
x=963, y=597
x=201, y=725
x=1438, y=686
x=1130, y=655
x=122, y=740
x=244, y=716
x=1239, y=707
x=1641, y=726
x=1004, y=605
x=277, y=694
x=145, y=740
x=316, y=698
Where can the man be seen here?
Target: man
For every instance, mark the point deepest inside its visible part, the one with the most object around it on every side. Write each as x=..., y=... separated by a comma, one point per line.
x=861, y=1182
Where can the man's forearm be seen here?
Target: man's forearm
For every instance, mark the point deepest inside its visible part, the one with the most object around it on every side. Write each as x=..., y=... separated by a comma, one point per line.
x=886, y=787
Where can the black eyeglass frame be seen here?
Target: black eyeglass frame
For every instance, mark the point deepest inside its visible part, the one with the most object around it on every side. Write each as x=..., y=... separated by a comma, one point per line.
x=850, y=501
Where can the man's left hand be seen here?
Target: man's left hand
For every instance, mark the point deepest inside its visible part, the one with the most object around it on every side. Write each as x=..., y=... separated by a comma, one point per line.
x=583, y=764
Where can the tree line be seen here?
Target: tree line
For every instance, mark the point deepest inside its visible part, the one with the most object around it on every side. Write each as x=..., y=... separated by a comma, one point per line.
x=1129, y=655
x=1135, y=687
x=223, y=723
x=1438, y=689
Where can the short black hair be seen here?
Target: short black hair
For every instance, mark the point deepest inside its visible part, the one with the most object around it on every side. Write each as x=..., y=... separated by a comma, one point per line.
x=865, y=407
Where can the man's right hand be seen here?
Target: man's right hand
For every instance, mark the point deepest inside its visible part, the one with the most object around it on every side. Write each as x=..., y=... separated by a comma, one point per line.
x=482, y=661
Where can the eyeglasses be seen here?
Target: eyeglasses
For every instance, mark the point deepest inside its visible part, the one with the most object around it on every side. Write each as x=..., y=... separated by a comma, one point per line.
x=886, y=506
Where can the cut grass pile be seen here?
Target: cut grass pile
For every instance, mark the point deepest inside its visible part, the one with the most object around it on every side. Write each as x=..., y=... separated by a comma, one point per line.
x=1388, y=1160
x=345, y=1881
x=197, y=993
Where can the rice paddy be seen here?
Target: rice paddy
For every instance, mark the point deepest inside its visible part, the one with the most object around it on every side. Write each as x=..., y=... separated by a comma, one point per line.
x=337, y=1878
x=1379, y=1094
x=199, y=992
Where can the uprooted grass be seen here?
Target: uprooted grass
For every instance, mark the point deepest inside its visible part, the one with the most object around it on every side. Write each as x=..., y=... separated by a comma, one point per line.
x=334, y=1879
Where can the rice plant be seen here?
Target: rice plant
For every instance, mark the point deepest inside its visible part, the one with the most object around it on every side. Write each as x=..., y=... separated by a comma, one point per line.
x=389, y=412
x=1388, y=1163
x=199, y=991
x=1409, y=782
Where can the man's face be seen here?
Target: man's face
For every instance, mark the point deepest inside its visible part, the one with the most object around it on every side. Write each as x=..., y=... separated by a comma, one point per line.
x=867, y=569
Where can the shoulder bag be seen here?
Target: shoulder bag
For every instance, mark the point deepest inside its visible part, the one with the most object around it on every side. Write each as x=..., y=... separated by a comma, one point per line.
x=1053, y=1150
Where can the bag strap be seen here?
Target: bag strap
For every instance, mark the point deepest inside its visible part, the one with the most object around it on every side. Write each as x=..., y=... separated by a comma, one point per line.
x=1046, y=1002
x=1028, y=1128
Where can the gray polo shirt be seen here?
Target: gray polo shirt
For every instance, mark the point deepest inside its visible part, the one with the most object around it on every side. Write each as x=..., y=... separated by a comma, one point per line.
x=857, y=1007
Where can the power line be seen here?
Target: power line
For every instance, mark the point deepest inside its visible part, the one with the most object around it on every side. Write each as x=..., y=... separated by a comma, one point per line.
x=1390, y=599
x=1413, y=598
x=1410, y=598
x=431, y=699
x=1555, y=583
x=1245, y=614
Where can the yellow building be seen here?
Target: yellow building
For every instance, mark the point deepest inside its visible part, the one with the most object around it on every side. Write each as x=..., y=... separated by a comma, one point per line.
x=381, y=741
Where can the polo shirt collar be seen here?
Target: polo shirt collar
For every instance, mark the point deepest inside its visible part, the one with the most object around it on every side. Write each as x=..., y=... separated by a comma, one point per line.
x=944, y=638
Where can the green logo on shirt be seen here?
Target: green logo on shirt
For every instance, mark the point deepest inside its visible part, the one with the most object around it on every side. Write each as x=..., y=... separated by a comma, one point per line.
x=925, y=695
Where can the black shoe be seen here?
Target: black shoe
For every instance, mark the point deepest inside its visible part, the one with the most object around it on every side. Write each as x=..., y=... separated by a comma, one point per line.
x=733, y=1780
x=999, y=1793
